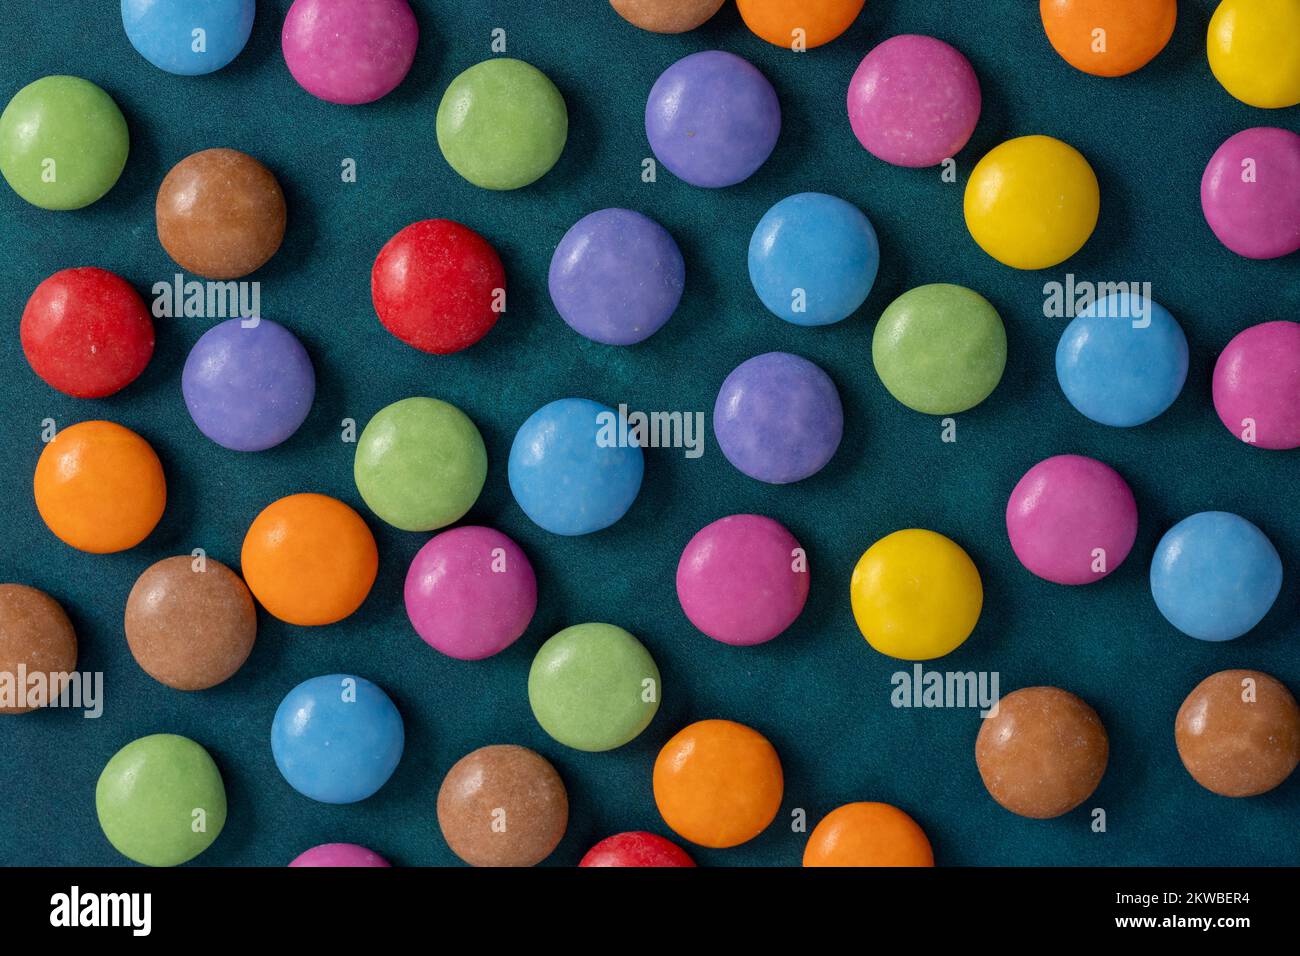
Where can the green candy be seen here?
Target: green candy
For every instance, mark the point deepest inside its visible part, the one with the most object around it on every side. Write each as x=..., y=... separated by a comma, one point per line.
x=502, y=124
x=940, y=349
x=593, y=687
x=420, y=464
x=160, y=800
x=63, y=142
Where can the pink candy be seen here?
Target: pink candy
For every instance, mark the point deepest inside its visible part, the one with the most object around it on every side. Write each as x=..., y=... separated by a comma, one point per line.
x=1257, y=385
x=339, y=854
x=1250, y=193
x=349, y=51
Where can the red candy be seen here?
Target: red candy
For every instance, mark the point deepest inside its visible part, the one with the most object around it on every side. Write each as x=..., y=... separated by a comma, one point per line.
x=438, y=286
x=86, y=332
x=636, y=849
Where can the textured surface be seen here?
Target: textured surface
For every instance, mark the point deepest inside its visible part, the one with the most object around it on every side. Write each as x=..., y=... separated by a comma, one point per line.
x=349, y=51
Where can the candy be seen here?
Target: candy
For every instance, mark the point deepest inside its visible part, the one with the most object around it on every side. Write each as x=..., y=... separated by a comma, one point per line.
x=712, y=119
x=1215, y=575
x=420, y=464
x=1238, y=733
x=778, y=418
x=1071, y=519
x=188, y=37
x=666, y=16
x=1108, y=37
x=1042, y=753
x=1032, y=202
x=718, y=783
x=1250, y=193
x=574, y=468
x=438, y=286
x=99, y=487
x=160, y=800
x=36, y=638
x=813, y=259
x=1257, y=385
x=339, y=855
x=349, y=51
x=594, y=687
x=616, y=277
x=248, y=385
x=86, y=332
x=190, y=622
x=868, y=834
x=337, y=738
x=1254, y=51
x=220, y=214
x=916, y=595
x=502, y=805
x=309, y=559
x=914, y=101
x=799, y=24
x=636, y=849
x=742, y=579
x=470, y=593
x=1122, y=360
x=940, y=349
x=502, y=124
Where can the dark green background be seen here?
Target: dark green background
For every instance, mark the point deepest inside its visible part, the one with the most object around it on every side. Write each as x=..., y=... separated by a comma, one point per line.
x=819, y=692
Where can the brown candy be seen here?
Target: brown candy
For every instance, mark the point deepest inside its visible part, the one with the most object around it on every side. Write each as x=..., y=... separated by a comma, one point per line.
x=1238, y=733
x=1043, y=753
x=220, y=214
x=36, y=634
x=190, y=629
x=666, y=16
x=503, y=806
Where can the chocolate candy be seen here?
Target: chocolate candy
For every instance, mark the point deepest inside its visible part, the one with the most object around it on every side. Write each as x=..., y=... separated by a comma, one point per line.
x=165, y=32
x=339, y=855
x=868, y=834
x=36, y=637
x=1132, y=32
x=1257, y=385
x=349, y=51
x=636, y=848
x=666, y=16
x=799, y=24
x=1250, y=192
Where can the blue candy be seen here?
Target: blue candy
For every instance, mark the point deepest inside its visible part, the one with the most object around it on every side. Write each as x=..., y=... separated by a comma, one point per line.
x=337, y=738
x=188, y=37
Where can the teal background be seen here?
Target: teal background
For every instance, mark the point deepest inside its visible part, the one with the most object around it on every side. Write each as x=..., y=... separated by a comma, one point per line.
x=819, y=692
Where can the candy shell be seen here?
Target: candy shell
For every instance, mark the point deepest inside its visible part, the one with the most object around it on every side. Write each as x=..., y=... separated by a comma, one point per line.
x=36, y=637
x=188, y=37
x=1108, y=37
x=339, y=855
x=666, y=16
x=349, y=51
x=1257, y=385
x=636, y=849
x=799, y=24
x=867, y=834
x=1254, y=51
x=1250, y=192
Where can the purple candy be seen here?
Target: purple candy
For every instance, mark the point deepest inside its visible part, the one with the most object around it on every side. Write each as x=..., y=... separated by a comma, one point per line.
x=349, y=51
x=778, y=418
x=339, y=854
x=712, y=118
x=616, y=276
x=1250, y=193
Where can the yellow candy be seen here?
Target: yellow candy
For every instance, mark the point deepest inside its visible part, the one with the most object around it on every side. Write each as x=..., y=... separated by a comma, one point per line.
x=1254, y=48
x=1032, y=202
x=916, y=595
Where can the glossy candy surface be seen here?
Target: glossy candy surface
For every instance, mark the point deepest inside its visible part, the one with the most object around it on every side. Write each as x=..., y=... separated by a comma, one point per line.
x=1250, y=192
x=1257, y=385
x=666, y=16
x=867, y=834
x=349, y=51
x=809, y=23
x=188, y=37
x=636, y=849
x=1254, y=51
x=1108, y=37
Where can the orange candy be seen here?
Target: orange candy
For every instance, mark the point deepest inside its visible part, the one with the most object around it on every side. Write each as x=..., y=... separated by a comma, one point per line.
x=718, y=783
x=820, y=20
x=309, y=559
x=1108, y=37
x=868, y=834
x=100, y=487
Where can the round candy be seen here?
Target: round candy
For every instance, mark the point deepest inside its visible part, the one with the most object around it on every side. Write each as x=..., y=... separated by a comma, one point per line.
x=1122, y=360
x=36, y=637
x=190, y=622
x=868, y=834
x=616, y=277
x=636, y=849
x=248, y=384
x=63, y=142
x=712, y=119
x=718, y=783
x=1072, y=520
x=914, y=101
x=1238, y=733
x=86, y=332
x=438, y=286
x=188, y=37
x=502, y=805
x=160, y=800
x=1254, y=50
x=1032, y=202
x=1250, y=193
x=502, y=124
x=339, y=855
x=1257, y=385
x=349, y=51
x=1215, y=575
x=813, y=259
x=100, y=487
x=666, y=16
x=916, y=595
x=940, y=349
x=1108, y=37
x=575, y=467
x=742, y=579
x=220, y=214
x=799, y=24
x=594, y=687
x=778, y=418
x=420, y=464
x=309, y=559
x=470, y=593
